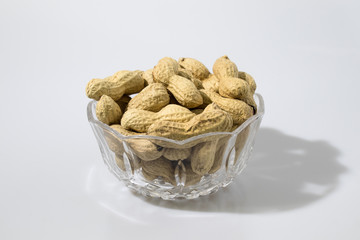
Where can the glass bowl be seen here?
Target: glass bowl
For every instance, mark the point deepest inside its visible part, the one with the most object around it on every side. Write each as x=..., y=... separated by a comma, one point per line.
x=142, y=162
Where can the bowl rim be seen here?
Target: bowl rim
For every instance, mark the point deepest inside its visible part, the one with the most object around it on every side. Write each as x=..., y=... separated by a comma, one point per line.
x=259, y=114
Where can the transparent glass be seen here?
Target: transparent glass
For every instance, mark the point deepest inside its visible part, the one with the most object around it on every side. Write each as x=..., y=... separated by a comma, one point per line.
x=139, y=162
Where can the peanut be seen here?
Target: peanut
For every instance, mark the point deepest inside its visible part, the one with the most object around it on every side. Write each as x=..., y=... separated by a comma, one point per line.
x=120, y=129
x=108, y=111
x=147, y=76
x=185, y=73
x=140, y=120
x=210, y=121
x=219, y=154
x=197, y=69
x=188, y=75
x=206, y=100
x=165, y=68
x=122, y=82
x=231, y=87
x=211, y=83
x=203, y=156
x=160, y=167
x=224, y=67
x=184, y=90
x=145, y=149
x=238, y=109
x=174, y=154
x=237, y=88
x=249, y=79
x=152, y=98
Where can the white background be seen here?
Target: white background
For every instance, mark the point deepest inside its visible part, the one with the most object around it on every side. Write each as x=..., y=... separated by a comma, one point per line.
x=303, y=179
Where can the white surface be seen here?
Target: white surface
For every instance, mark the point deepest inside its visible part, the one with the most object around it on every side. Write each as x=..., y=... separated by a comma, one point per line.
x=303, y=180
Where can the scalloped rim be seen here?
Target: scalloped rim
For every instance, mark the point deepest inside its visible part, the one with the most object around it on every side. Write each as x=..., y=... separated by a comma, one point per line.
x=259, y=114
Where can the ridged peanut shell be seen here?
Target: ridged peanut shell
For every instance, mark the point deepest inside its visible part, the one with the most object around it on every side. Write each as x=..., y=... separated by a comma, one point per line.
x=145, y=149
x=188, y=75
x=108, y=111
x=203, y=156
x=148, y=77
x=232, y=87
x=175, y=154
x=152, y=98
x=249, y=79
x=197, y=69
x=120, y=129
x=213, y=121
x=185, y=91
x=224, y=67
x=140, y=120
x=211, y=83
x=131, y=80
x=122, y=82
x=161, y=168
x=165, y=68
x=238, y=109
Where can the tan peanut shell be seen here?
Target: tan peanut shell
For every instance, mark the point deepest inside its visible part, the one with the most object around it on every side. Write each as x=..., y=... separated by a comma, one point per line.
x=185, y=73
x=237, y=88
x=211, y=83
x=165, y=68
x=219, y=154
x=175, y=154
x=123, y=102
x=120, y=129
x=211, y=121
x=188, y=75
x=238, y=109
x=145, y=149
x=197, y=69
x=185, y=91
x=140, y=120
x=249, y=79
x=115, y=144
x=161, y=168
x=203, y=156
x=152, y=98
x=123, y=82
x=224, y=67
x=148, y=77
x=108, y=111
x=191, y=177
x=206, y=100
x=232, y=87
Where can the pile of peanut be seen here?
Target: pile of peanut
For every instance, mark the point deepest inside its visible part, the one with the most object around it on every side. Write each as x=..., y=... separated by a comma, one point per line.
x=176, y=100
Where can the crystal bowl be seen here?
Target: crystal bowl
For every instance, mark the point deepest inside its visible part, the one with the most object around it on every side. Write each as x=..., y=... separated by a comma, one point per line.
x=139, y=162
